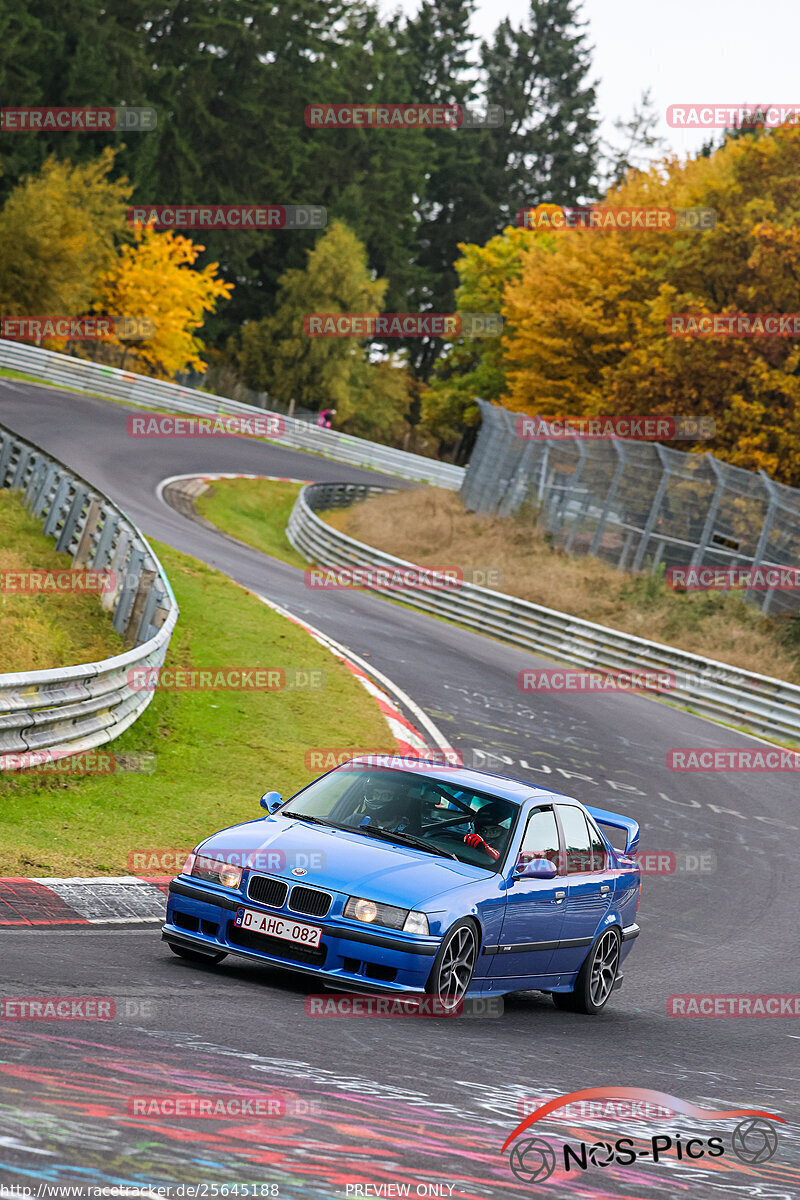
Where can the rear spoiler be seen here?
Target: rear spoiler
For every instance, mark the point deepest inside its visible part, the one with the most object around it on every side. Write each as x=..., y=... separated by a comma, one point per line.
x=616, y=821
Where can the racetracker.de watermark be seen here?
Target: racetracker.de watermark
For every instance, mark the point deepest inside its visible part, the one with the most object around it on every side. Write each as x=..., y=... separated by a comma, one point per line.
x=32, y=582
x=600, y=1110
x=225, y=679
x=598, y=217
x=604, y=428
x=220, y=1106
x=155, y=861
x=228, y=216
x=399, y=325
x=37, y=119
x=90, y=762
x=270, y=425
x=325, y=758
x=733, y=579
x=730, y=116
x=403, y=1007
x=733, y=325
x=403, y=116
x=77, y=329
x=754, y=1005
x=410, y=578
x=703, y=758
x=81, y=1008
x=554, y=679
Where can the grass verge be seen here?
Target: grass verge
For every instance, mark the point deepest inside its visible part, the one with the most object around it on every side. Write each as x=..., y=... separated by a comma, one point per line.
x=52, y=629
x=254, y=510
x=216, y=751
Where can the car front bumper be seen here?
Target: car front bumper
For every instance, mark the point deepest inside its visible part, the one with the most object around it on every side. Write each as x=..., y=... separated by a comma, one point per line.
x=365, y=959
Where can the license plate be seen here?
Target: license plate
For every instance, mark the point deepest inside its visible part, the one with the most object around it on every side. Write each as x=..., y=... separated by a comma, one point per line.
x=278, y=927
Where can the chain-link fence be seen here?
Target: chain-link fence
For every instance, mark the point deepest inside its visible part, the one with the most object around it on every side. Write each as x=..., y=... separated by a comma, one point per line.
x=637, y=504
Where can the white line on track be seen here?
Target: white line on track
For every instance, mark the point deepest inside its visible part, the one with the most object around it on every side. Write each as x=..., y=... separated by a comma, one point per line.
x=394, y=690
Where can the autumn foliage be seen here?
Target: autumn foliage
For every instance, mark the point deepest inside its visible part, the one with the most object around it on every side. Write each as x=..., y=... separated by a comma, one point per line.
x=585, y=310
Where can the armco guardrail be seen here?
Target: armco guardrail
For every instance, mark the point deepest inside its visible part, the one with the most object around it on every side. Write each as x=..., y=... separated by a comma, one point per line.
x=711, y=688
x=72, y=709
x=86, y=376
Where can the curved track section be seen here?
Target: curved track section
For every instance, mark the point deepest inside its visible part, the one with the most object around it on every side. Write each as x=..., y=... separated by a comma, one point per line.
x=419, y=1102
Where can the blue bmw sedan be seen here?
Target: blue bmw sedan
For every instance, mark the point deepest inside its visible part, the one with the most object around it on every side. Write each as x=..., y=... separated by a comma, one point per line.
x=393, y=877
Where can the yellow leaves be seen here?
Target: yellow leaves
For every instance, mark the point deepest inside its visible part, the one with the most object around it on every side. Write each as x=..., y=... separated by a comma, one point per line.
x=586, y=313
x=57, y=232
x=66, y=250
x=153, y=278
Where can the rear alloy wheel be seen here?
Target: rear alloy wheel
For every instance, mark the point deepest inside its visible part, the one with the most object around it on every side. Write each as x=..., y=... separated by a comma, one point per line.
x=596, y=977
x=454, y=965
x=196, y=955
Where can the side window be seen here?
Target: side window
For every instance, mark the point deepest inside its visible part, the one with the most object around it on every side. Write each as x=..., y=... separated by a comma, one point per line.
x=541, y=837
x=598, y=849
x=576, y=838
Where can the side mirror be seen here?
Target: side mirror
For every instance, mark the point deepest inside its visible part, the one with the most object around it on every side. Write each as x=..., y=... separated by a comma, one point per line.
x=271, y=801
x=537, y=868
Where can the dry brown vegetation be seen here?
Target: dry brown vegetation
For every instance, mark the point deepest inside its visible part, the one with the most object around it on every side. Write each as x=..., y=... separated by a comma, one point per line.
x=430, y=526
x=57, y=629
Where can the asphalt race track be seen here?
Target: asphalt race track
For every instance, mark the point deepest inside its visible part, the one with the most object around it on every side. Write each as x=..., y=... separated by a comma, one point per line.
x=374, y=1104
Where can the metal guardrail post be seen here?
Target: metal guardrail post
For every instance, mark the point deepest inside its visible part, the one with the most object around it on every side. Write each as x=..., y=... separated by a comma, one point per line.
x=766, y=530
x=109, y=599
x=89, y=529
x=103, y=550
x=573, y=491
x=25, y=455
x=711, y=515
x=127, y=592
x=57, y=507
x=654, y=509
x=143, y=589
x=38, y=506
x=610, y=496
x=72, y=518
x=5, y=456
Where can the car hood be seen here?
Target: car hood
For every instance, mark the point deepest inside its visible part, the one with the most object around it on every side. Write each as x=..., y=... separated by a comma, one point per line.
x=342, y=861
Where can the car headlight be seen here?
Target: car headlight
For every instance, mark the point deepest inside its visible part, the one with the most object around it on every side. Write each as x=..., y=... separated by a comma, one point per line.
x=214, y=871
x=373, y=913
x=416, y=922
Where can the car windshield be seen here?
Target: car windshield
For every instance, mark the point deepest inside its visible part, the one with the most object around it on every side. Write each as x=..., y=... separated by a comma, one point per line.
x=472, y=826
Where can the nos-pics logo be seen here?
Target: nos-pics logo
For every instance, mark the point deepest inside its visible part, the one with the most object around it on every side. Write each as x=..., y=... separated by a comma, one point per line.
x=534, y=1159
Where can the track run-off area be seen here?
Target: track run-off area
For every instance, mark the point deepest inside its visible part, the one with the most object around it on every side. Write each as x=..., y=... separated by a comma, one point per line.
x=381, y=1103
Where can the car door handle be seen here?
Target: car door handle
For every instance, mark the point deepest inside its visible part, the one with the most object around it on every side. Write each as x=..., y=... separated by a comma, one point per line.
x=604, y=888
x=560, y=895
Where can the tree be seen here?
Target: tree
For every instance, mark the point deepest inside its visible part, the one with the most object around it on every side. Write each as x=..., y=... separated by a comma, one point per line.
x=639, y=143
x=153, y=278
x=315, y=372
x=58, y=233
x=475, y=367
x=74, y=53
x=478, y=179
x=588, y=314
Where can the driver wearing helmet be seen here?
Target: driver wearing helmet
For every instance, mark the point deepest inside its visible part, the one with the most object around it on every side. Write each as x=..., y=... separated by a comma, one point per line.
x=490, y=829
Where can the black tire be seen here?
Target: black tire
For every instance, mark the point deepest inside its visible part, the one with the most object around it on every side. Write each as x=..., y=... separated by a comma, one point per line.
x=454, y=965
x=197, y=955
x=596, y=977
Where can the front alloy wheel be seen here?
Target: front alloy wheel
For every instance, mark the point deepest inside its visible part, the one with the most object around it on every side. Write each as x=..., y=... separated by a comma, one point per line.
x=596, y=977
x=454, y=966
